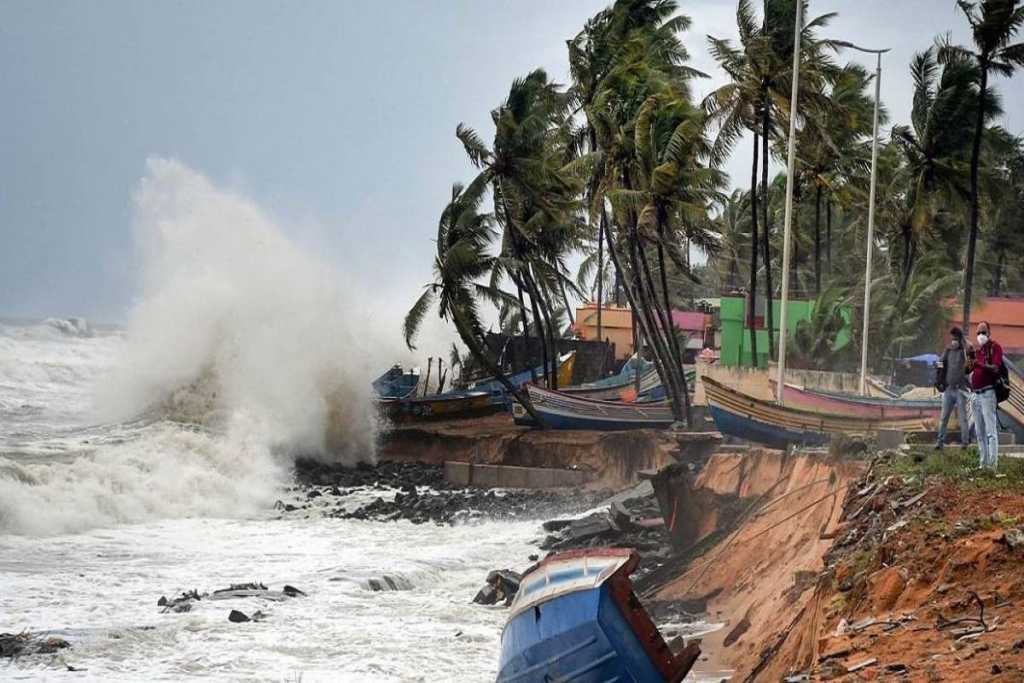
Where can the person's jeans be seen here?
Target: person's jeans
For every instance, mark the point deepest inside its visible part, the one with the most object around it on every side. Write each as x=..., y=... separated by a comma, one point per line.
x=954, y=397
x=986, y=427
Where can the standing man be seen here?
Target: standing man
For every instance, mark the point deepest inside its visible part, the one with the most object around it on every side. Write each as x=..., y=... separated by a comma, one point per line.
x=951, y=380
x=984, y=368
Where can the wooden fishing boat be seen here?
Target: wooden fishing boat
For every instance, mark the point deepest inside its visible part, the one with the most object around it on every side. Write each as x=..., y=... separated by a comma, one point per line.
x=576, y=618
x=447, y=406
x=499, y=395
x=753, y=419
x=857, y=406
x=396, y=383
x=610, y=388
x=562, y=411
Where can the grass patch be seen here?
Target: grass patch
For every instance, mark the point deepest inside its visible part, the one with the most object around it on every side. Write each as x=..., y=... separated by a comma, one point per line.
x=958, y=465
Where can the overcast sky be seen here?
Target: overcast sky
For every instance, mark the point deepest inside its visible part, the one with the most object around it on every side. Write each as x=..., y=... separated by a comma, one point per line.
x=337, y=117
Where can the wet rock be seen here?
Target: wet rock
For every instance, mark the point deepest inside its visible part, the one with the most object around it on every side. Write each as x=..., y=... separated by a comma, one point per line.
x=292, y=591
x=25, y=643
x=502, y=586
x=388, y=582
x=180, y=604
x=237, y=617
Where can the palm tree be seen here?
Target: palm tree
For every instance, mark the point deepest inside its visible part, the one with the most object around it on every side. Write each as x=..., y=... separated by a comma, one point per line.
x=994, y=23
x=933, y=149
x=733, y=227
x=641, y=57
x=533, y=200
x=464, y=236
x=760, y=73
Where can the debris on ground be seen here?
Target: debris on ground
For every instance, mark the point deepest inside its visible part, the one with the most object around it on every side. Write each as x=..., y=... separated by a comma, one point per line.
x=186, y=601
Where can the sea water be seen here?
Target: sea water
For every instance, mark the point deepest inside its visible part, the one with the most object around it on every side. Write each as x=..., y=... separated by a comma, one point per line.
x=98, y=521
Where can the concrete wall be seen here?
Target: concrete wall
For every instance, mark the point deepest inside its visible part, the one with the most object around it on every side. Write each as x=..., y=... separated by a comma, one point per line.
x=511, y=477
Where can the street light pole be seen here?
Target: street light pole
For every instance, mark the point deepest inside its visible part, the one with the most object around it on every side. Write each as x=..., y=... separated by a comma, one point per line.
x=790, y=166
x=871, y=220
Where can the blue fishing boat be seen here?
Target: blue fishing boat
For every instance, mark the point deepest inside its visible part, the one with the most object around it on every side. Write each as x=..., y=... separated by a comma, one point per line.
x=499, y=395
x=576, y=619
x=562, y=411
x=396, y=383
x=611, y=388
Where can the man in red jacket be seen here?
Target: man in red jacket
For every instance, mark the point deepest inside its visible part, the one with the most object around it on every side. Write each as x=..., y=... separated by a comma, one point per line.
x=983, y=366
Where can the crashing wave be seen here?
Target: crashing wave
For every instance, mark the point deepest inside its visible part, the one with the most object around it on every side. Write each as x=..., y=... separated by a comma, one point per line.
x=71, y=327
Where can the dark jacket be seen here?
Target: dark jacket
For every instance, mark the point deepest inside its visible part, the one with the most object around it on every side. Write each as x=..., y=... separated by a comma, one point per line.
x=952, y=372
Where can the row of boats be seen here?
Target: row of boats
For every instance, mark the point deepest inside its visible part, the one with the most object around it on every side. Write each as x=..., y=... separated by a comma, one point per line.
x=635, y=399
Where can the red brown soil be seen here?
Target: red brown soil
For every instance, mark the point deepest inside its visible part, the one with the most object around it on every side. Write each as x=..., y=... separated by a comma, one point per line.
x=762, y=571
x=908, y=581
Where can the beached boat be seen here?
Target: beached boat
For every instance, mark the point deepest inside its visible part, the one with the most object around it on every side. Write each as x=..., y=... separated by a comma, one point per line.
x=498, y=393
x=448, y=406
x=576, y=618
x=753, y=419
x=857, y=406
x=610, y=388
x=562, y=411
x=396, y=383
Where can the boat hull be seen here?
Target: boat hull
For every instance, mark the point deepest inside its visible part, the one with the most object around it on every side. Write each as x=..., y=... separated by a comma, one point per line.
x=873, y=408
x=577, y=619
x=442, y=407
x=753, y=419
x=562, y=411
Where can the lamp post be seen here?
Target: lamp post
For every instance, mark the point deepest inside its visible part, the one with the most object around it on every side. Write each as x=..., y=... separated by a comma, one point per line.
x=790, y=166
x=871, y=219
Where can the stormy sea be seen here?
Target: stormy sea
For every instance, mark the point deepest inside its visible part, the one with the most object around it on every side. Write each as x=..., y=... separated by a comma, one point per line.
x=145, y=460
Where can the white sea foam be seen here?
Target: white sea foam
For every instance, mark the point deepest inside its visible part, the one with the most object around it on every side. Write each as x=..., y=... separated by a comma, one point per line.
x=233, y=321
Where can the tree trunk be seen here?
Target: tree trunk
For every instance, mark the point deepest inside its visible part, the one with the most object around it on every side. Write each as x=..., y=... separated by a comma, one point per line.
x=769, y=291
x=526, y=329
x=828, y=235
x=752, y=294
x=538, y=323
x=672, y=330
x=426, y=385
x=565, y=300
x=600, y=284
x=997, y=275
x=975, y=161
x=817, y=240
x=477, y=349
x=640, y=323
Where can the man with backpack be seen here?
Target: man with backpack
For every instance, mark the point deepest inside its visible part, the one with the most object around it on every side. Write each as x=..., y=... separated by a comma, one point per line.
x=985, y=365
x=951, y=381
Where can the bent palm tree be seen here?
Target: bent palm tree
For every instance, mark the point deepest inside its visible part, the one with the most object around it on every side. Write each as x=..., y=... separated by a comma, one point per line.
x=463, y=236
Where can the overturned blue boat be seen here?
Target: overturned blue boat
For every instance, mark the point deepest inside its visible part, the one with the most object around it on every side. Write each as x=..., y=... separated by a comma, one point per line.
x=576, y=619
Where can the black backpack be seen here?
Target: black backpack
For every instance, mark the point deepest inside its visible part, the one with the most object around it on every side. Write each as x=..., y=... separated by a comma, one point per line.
x=1002, y=386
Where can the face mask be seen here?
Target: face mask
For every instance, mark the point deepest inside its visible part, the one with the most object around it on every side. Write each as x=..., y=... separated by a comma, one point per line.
x=982, y=339
x=955, y=344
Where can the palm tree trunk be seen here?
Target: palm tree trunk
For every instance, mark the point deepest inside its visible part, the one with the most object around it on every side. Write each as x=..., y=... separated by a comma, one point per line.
x=477, y=349
x=828, y=235
x=600, y=278
x=817, y=240
x=672, y=330
x=769, y=292
x=549, y=317
x=752, y=294
x=997, y=275
x=975, y=162
x=640, y=322
x=538, y=323
x=526, y=329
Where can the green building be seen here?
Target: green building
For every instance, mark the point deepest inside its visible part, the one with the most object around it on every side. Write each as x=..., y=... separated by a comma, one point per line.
x=735, y=337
